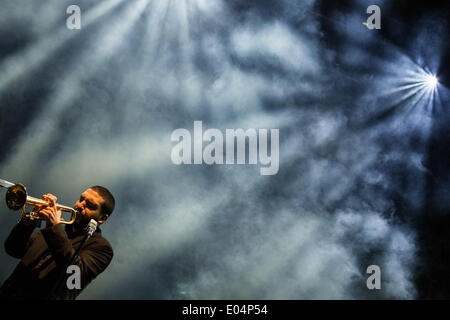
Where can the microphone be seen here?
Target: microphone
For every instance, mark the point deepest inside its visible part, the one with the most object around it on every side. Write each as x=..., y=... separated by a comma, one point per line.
x=91, y=227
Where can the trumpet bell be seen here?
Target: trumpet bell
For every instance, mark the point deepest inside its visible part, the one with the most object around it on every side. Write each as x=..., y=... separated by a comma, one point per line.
x=16, y=196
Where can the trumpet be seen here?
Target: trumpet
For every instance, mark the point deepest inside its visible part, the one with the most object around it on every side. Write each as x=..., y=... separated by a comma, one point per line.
x=17, y=197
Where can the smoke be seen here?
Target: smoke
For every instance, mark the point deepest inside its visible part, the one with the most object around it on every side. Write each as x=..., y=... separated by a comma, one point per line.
x=109, y=96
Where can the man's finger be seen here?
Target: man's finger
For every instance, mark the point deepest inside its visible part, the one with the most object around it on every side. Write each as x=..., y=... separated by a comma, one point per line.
x=51, y=199
x=52, y=202
x=43, y=214
x=46, y=210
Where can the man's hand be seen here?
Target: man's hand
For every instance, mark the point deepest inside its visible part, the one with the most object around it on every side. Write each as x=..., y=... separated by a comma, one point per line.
x=50, y=212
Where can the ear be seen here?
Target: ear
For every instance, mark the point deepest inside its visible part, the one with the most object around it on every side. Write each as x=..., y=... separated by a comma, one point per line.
x=103, y=218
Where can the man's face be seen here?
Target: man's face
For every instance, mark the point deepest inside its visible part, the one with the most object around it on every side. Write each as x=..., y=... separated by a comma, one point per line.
x=89, y=206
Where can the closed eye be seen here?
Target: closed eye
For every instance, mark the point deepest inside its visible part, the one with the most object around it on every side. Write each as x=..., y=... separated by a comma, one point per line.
x=90, y=205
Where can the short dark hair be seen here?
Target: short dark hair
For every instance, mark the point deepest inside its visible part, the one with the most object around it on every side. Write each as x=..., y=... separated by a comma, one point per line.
x=108, y=203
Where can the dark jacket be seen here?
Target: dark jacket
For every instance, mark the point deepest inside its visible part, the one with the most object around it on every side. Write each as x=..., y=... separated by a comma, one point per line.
x=45, y=256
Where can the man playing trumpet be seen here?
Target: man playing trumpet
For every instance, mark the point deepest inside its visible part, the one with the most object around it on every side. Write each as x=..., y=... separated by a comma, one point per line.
x=46, y=254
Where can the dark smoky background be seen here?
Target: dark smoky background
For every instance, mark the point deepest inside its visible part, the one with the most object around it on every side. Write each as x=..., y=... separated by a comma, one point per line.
x=363, y=175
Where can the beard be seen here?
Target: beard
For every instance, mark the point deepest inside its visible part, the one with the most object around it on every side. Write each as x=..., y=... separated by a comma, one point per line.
x=82, y=220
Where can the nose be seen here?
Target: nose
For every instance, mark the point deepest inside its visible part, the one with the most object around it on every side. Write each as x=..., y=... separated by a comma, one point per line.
x=80, y=205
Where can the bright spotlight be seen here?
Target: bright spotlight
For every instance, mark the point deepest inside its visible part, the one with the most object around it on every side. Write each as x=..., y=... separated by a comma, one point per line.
x=431, y=81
